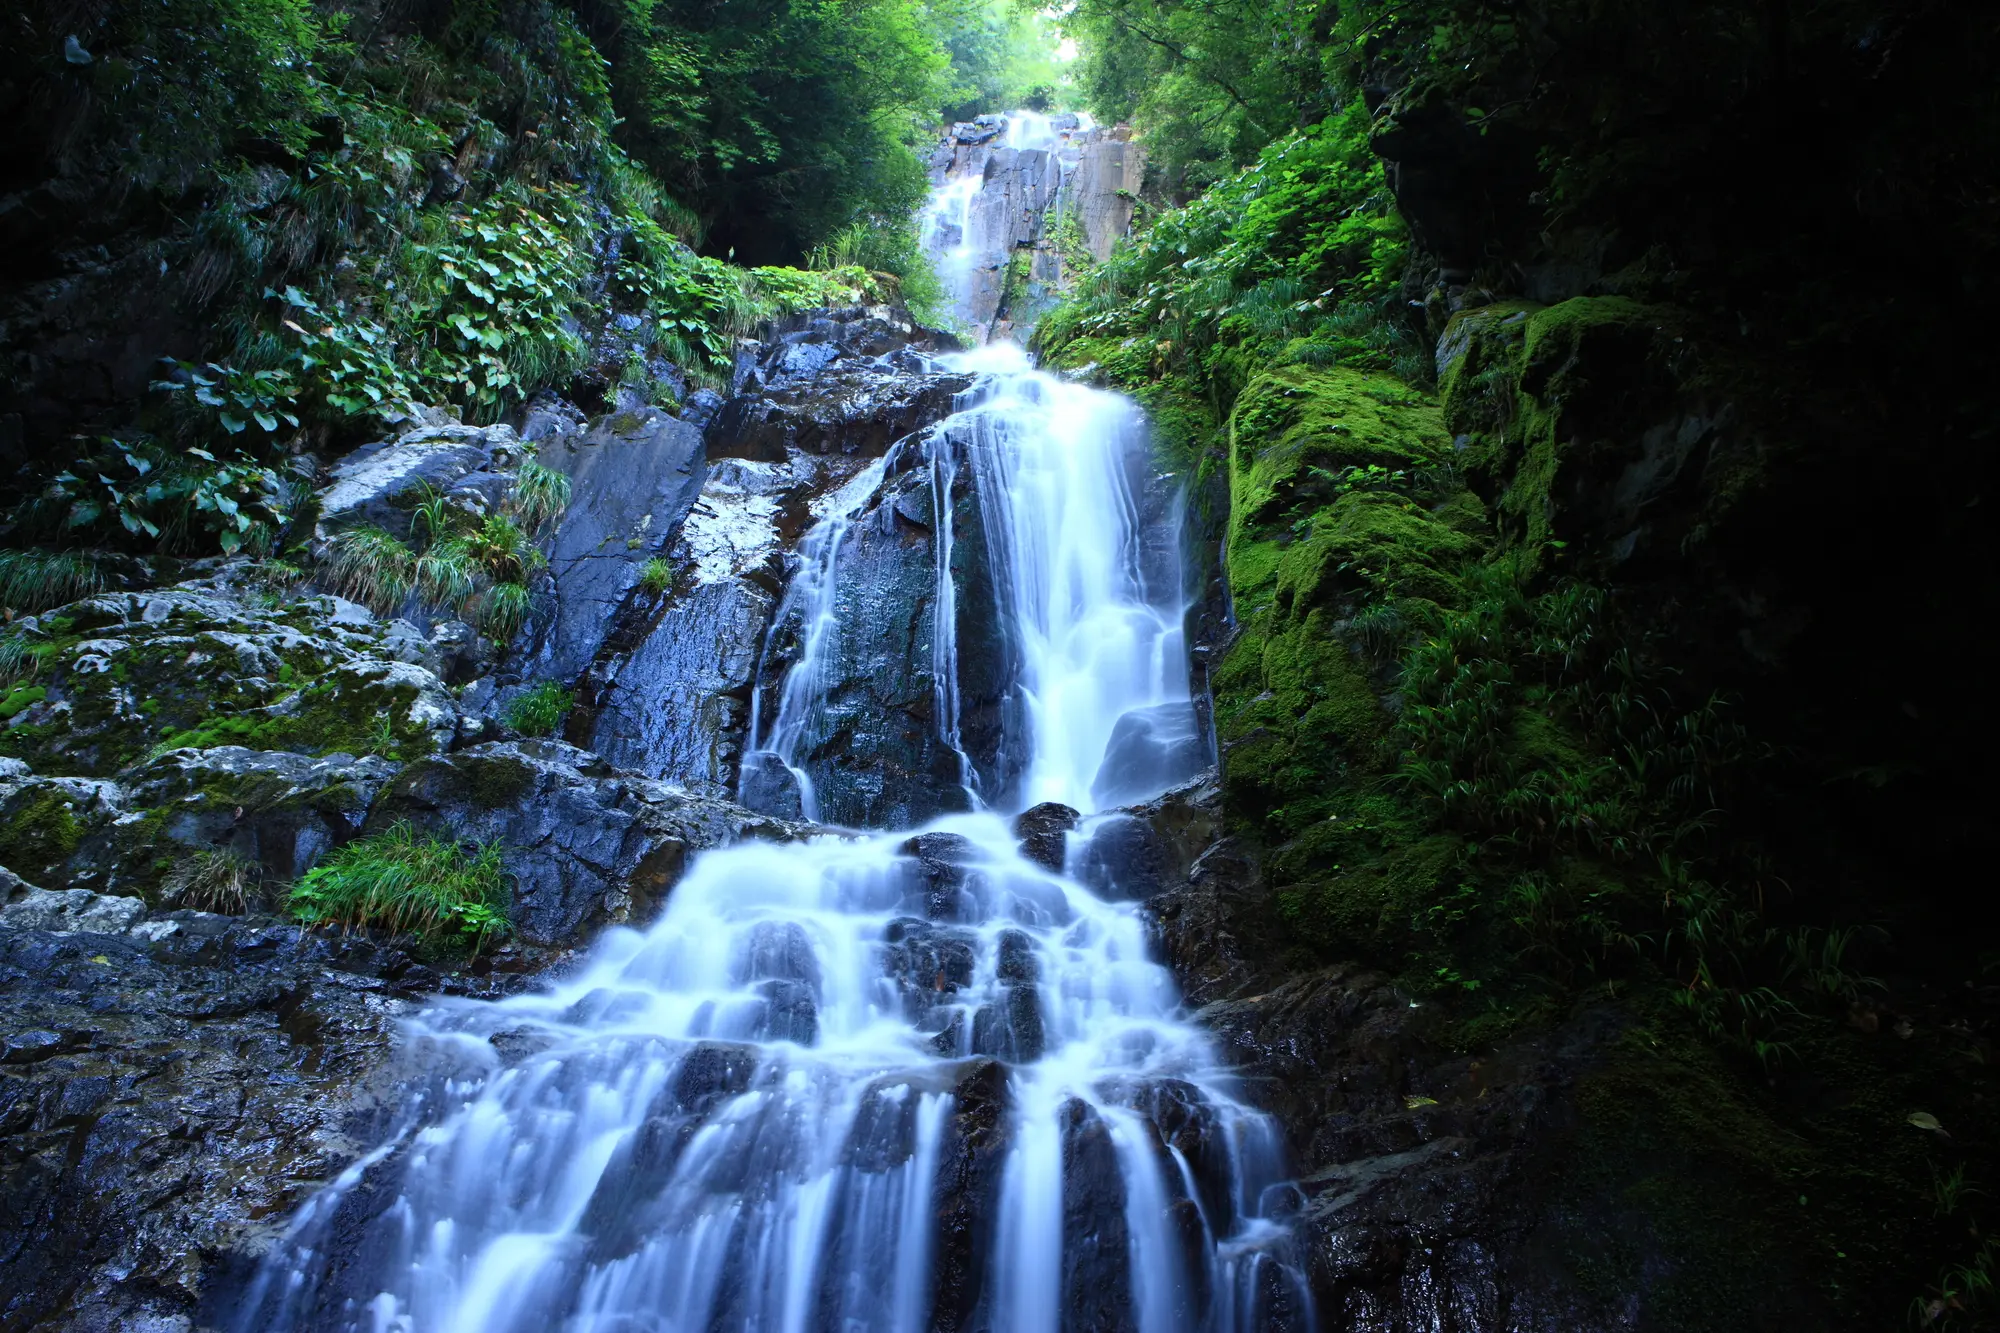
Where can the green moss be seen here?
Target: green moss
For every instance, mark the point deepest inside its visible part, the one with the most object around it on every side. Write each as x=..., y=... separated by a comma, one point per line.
x=1296, y=428
x=1359, y=900
x=495, y=781
x=40, y=834
x=20, y=698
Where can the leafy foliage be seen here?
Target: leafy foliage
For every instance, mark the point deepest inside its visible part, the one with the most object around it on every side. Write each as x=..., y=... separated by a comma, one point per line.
x=1299, y=256
x=178, y=500
x=402, y=881
x=779, y=123
x=539, y=711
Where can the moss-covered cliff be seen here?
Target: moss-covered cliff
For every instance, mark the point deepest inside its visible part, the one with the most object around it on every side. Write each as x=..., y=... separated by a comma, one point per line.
x=1613, y=662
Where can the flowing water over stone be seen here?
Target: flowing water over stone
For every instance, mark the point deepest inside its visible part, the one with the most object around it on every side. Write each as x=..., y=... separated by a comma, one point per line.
x=895, y=1081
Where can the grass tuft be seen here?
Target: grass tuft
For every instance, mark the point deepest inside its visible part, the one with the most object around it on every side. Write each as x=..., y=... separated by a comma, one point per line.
x=540, y=711
x=502, y=610
x=371, y=567
x=540, y=493
x=656, y=575
x=216, y=881
x=403, y=881
x=32, y=581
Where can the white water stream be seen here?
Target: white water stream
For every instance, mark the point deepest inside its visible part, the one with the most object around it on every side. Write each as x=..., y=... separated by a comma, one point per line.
x=776, y=1110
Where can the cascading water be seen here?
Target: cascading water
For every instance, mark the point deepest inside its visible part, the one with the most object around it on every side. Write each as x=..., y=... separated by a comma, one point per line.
x=874, y=1083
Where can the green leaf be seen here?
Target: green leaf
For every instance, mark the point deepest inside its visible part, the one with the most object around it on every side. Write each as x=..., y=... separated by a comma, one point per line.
x=234, y=425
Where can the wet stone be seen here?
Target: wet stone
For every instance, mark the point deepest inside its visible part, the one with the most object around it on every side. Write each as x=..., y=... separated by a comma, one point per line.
x=1017, y=960
x=1012, y=1029
x=926, y=963
x=1044, y=833
x=790, y=1012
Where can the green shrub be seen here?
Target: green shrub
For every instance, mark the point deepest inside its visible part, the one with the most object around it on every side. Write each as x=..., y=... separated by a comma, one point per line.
x=539, y=712
x=403, y=881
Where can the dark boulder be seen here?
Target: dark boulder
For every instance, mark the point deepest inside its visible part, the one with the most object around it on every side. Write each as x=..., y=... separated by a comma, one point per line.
x=1096, y=1258
x=586, y=845
x=1044, y=833
x=1151, y=750
x=970, y=1164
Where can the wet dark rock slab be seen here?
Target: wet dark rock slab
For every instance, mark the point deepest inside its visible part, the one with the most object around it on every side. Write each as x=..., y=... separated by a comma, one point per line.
x=1044, y=833
x=587, y=845
x=970, y=1164
x=633, y=477
x=848, y=382
x=171, y=1094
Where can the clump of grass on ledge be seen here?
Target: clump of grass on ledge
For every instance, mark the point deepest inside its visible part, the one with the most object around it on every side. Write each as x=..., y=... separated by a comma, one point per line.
x=540, y=711
x=372, y=567
x=540, y=493
x=403, y=881
x=32, y=581
x=656, y=575
x=211, y=881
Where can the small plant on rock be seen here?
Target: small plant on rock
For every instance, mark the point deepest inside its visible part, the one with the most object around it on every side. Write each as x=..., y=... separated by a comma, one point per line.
x=539, y=712
x=32, y=581
x=502, y=610
x=402, y=880
x=656, y=575
x=216, y=881
x=371, y=567
x=540, y=493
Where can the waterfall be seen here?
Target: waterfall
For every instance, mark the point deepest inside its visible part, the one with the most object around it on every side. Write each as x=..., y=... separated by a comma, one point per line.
x=872, y=1082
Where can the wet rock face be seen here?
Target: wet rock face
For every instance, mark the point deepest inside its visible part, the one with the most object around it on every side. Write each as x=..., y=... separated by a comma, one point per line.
x=878, y=747
x=585, y=844
x=1096, y=1268
x=161, y=1090
x=633, y=477
x=1013, y=267
x=970, y=1164
x=668, y=693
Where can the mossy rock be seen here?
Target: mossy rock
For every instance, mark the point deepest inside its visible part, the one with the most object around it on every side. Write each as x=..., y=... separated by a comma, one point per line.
x=1376, y=909
x=1296, y=429
x=44, y=820
x=125, y=677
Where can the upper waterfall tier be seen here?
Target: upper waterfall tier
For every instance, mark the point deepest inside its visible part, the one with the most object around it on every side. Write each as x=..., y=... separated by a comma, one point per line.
x=989, y=615
x=1011, y=197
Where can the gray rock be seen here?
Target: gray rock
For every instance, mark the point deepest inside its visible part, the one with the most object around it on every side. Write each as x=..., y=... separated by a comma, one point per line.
x=375, y=483
x=632, y=477
x=270, y=814
x=168, y=1093
x=218, y=659
x=586, y=845
x=71, y=911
